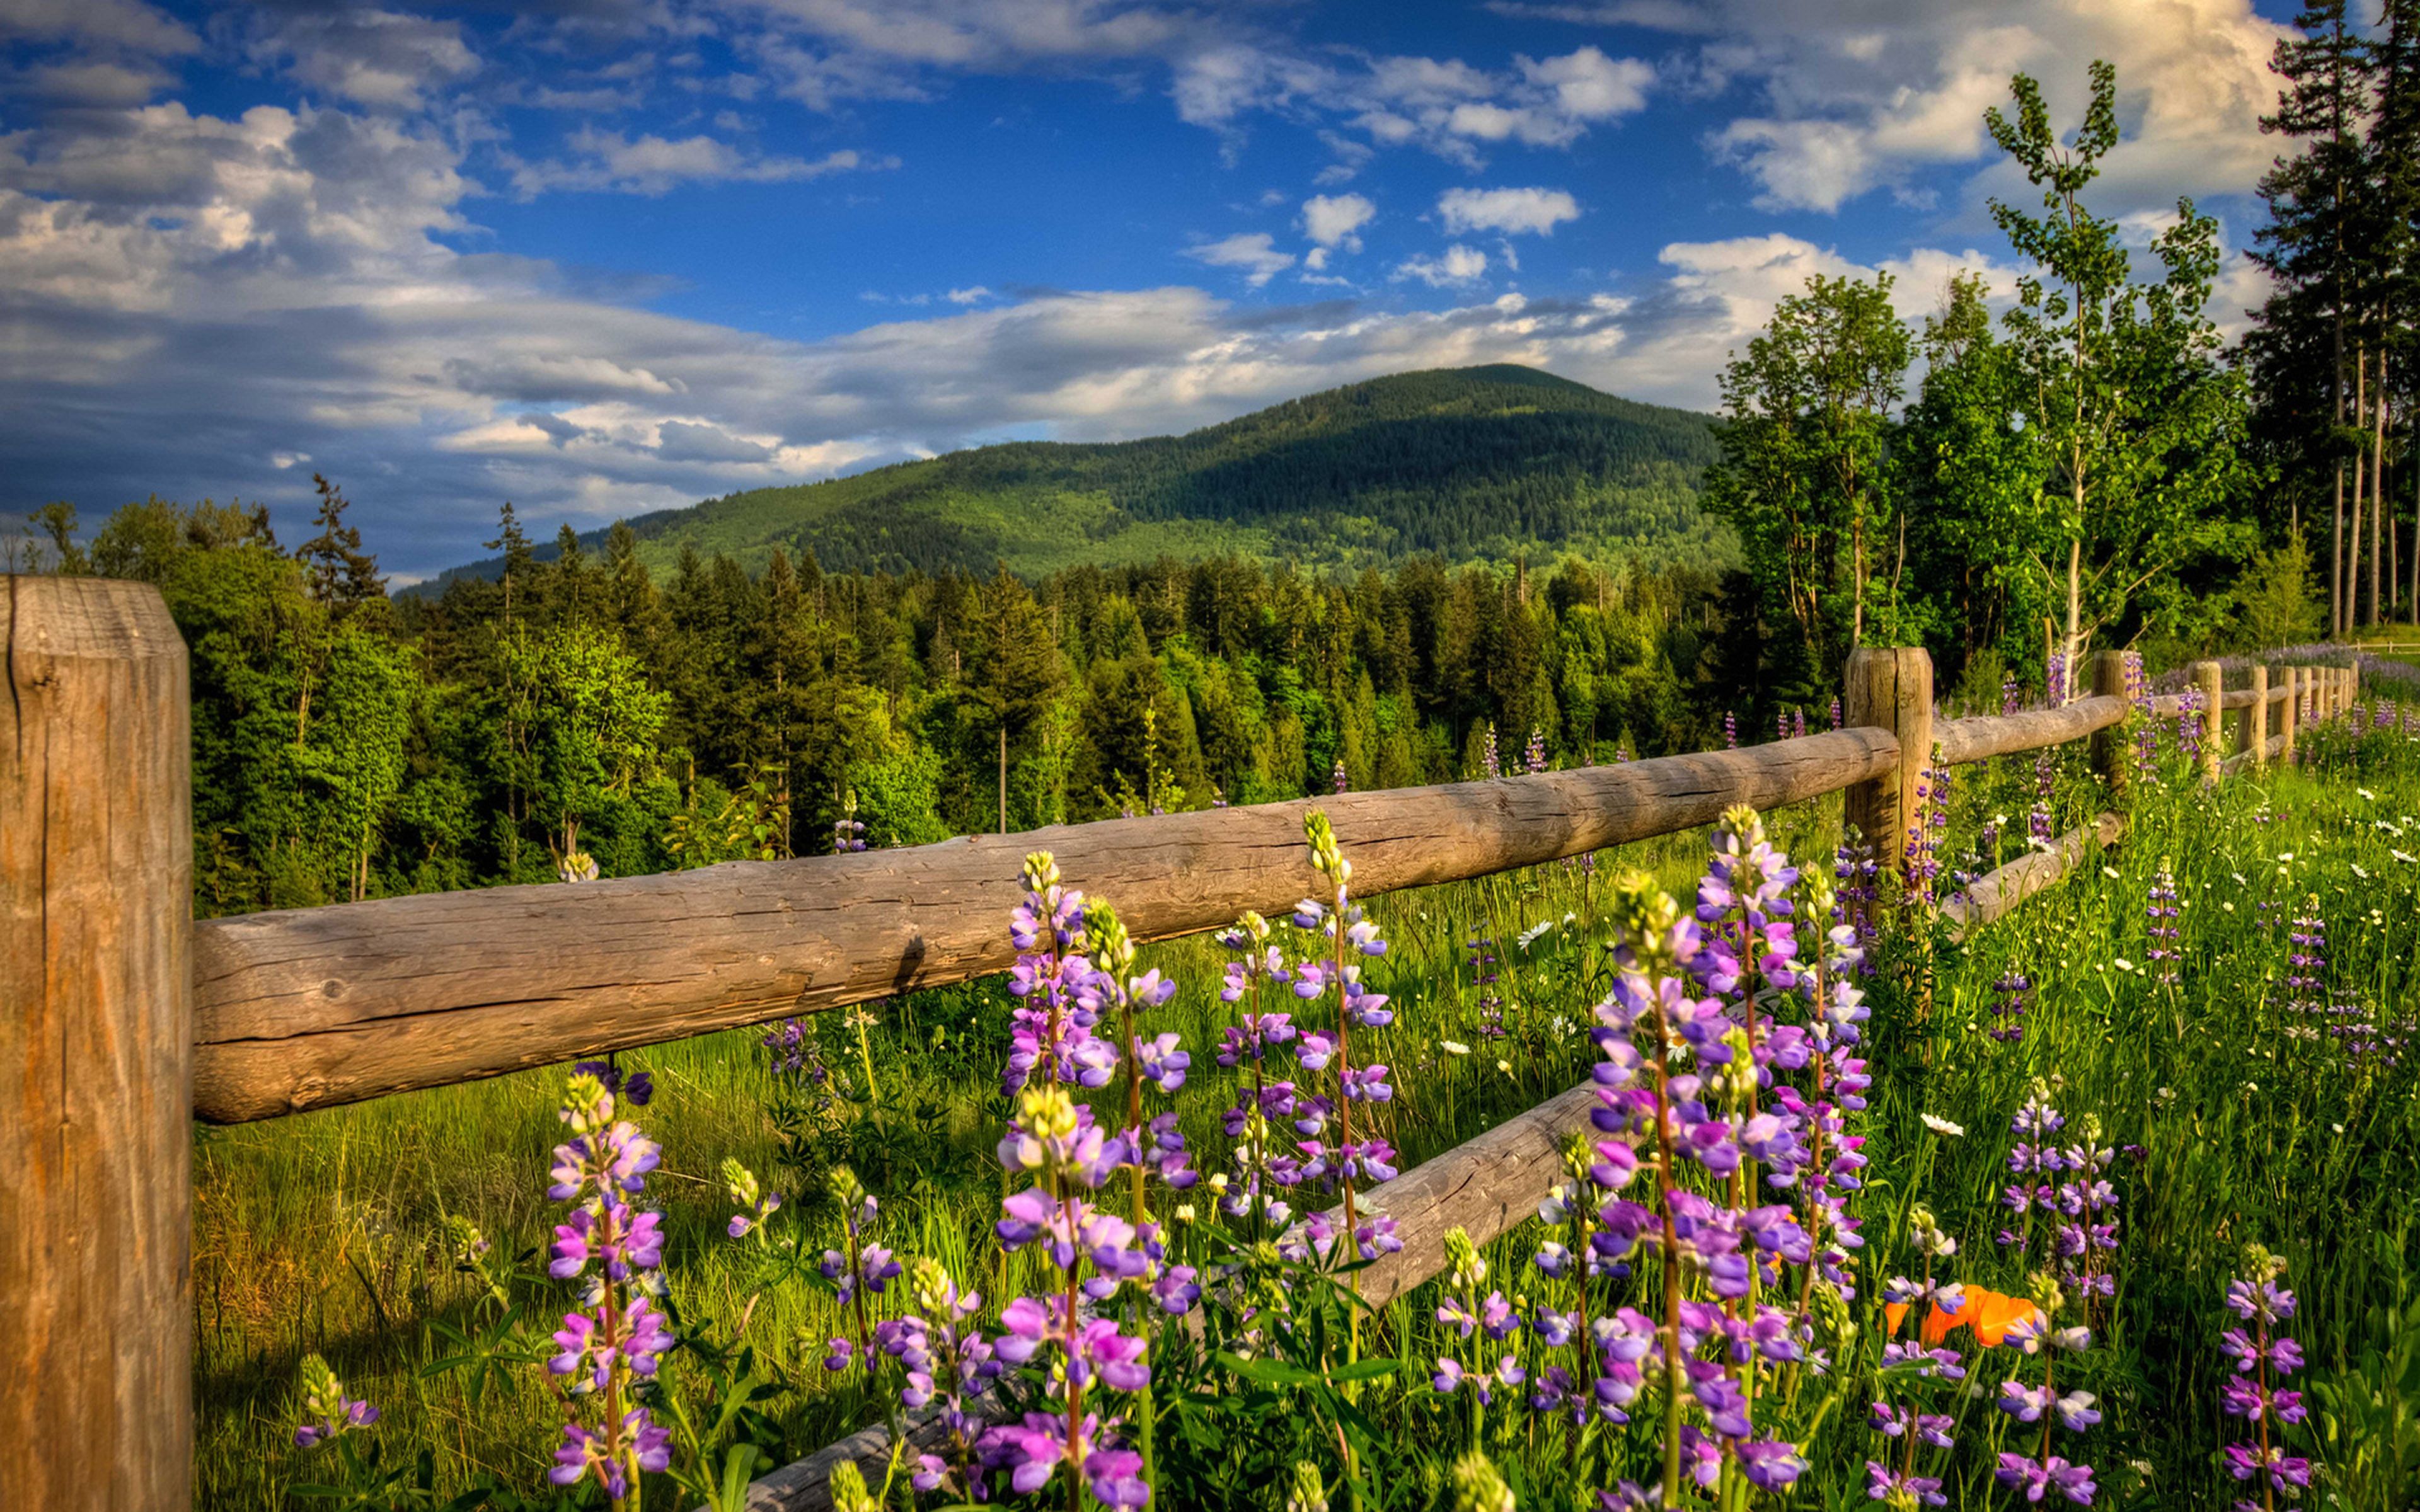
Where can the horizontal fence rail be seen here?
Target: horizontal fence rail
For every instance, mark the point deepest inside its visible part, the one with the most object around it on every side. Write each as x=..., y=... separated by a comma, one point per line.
x=121, y=1015
x=310, y=1008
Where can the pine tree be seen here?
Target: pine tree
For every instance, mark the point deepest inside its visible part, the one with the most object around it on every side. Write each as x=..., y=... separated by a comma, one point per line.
x=2299, y=355
x=520, y=560
x=336, y=571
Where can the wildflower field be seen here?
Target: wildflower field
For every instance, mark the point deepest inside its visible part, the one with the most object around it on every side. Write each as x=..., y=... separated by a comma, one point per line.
x=2110, y=1203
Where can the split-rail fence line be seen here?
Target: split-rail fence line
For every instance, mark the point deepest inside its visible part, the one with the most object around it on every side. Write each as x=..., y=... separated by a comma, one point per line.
x=123, y=1020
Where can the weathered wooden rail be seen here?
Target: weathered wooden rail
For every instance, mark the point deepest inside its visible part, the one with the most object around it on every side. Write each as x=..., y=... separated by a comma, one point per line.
x=123, y=1020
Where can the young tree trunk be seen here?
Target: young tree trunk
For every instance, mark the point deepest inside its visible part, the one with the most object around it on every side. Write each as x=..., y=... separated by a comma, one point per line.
x=2335, y=565
x=2377, y=495
x=1004, y=776
x=2360, y=493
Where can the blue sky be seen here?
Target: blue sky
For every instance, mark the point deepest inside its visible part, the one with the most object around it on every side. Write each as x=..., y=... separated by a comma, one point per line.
x=602, y=257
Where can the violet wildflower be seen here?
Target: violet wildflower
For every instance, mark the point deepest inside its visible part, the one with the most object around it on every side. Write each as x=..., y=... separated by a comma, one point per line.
x=1490, y=766
x=849, y=831
x=945, y=1359
x=1337, y=780
x=747, y=1194
x=2012, y=999
x=2263, y=1356
x=2306, y=965
x=1051, y=1029
x=327, y=1413
x=1096, y=1253
x=857, y=1267
x=2035, y=1475
x=614, y=1338
x=2034, y=1160
x=1344, y=932
x=1534, y=759
x=2163, y=913
x=1730, y=730
x=2039, y=823
x=2086, y=1233
x=1466, y=1314
x=635, y=1090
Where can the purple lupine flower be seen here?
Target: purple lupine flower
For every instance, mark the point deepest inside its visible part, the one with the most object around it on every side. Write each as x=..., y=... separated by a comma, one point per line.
x=1534, y=759
x=2263, y=1356
x=1339, y=784
x=1489, y=765
x=327, y=1413
x=2012, y=999
x=1730, y=730
x=617, y=1336
x=1098, y=1252
x=2162, y=911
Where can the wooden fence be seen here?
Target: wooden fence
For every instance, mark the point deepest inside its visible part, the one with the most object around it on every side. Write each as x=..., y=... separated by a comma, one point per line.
x=123, y=1020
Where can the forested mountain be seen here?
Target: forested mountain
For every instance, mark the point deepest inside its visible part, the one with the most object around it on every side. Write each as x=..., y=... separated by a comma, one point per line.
x=1465, y=463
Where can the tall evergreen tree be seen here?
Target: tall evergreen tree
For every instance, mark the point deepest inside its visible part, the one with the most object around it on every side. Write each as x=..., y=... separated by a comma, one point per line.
x=336, y=570
x=2300, y=354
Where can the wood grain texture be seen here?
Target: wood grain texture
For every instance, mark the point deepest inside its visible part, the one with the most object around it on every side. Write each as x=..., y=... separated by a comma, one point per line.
x=1890, y=690
x=2213, y=723
x=310, y=1008
x=1994, y=894
x=2256, y=717
x=1981, y=738
x=2293, y=714
x=2111, y=760
x=96, y=899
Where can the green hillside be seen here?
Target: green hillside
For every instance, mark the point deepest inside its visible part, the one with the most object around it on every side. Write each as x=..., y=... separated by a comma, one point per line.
x=1468, y=463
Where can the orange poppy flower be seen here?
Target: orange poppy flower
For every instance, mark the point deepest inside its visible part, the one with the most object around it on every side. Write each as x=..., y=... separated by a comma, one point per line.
x=1990, y=1313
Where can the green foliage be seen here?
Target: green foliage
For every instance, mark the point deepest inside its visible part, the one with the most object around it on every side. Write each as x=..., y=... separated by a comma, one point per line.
x=1805, y=476
x=1469, y=463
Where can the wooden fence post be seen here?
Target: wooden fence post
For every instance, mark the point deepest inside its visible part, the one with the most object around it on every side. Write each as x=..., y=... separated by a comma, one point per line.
x=2257, y=717
x=2293, y=713
x=96, y=1034
x=1890, y=690
x=2109, y=757
x=2213, y=723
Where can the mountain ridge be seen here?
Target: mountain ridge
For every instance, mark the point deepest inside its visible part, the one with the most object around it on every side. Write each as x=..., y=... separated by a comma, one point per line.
x=1474, y=463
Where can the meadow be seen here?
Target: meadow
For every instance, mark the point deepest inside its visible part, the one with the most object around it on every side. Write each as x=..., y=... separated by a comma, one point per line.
x=2187, y=1065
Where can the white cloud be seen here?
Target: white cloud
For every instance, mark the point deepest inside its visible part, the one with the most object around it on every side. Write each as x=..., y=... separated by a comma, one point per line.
x=1460, y=265
x=115, y=23
x=1509, y=210
x=1444, y=105
x=1333, y=220
x=1254, y=252
x=975, y=295
x=651, y=164
x=372, y=57
x=1859, y=98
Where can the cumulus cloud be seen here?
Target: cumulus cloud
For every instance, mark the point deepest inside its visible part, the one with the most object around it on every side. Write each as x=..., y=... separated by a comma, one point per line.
x=211, y=316
x=1856, y=98
x=651, y=164
x=1332, y=220
x=1253, y=252
x=1444, y=105
x=1460, y=265
x=1511, y=212
x=372, y=57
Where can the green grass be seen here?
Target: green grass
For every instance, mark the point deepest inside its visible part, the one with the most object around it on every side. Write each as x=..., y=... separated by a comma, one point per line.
x=323, y=1233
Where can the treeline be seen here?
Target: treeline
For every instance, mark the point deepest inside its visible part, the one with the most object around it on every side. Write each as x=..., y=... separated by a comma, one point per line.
x=2334, y=356
x=2077, y=469
x=575, y=711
